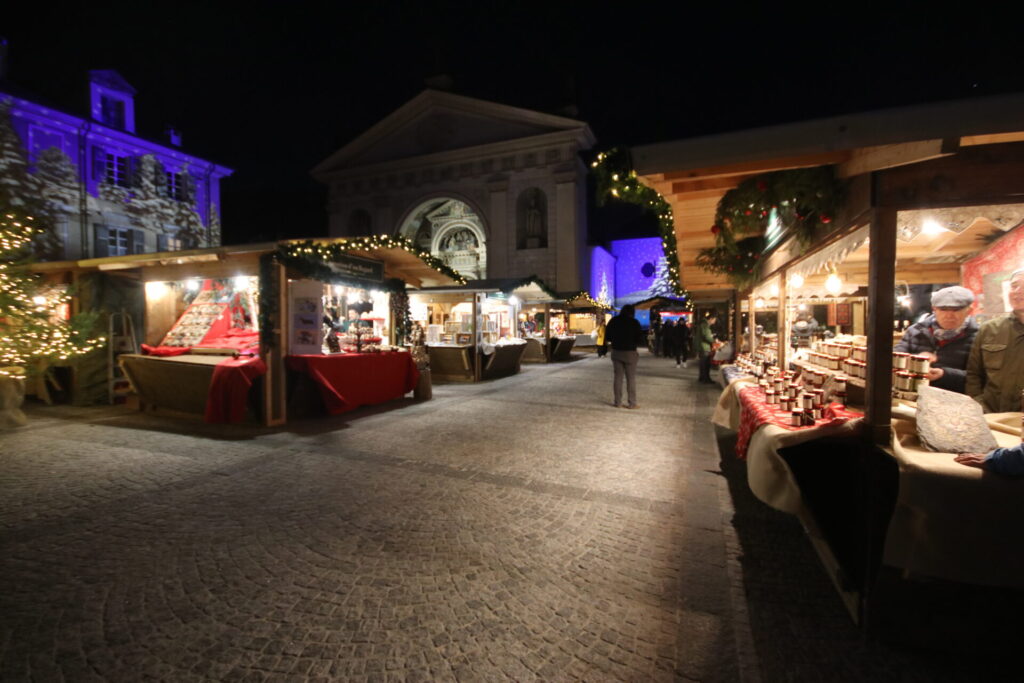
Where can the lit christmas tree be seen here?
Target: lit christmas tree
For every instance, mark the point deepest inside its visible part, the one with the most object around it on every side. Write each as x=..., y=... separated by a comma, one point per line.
x=31, y=325
x=604, y=297
x=662, y=285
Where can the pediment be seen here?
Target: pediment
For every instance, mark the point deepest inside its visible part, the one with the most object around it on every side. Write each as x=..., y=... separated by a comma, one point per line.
x=435, y=122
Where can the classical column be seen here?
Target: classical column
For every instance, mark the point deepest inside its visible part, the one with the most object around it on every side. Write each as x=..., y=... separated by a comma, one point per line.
x=565, y=233
x=499, y=243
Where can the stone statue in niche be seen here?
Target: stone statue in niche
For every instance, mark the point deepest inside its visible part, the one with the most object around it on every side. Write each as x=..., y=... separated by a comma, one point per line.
x=460, y=240
x=534, y=230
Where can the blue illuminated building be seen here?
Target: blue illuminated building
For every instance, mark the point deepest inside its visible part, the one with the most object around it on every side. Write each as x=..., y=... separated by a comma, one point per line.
x=111, y=191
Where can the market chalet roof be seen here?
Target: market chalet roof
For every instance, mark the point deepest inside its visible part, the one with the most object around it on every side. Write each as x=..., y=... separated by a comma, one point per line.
x=436, y=123
x=693, y=174
x=243, y=260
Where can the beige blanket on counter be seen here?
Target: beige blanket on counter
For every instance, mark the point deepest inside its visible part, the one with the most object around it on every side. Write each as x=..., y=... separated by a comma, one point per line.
x=957, y=522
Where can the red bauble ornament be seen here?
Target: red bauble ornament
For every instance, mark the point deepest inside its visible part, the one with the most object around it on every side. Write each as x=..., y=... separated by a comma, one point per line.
x=747, y=212
x=825, y=219
x=715, y=229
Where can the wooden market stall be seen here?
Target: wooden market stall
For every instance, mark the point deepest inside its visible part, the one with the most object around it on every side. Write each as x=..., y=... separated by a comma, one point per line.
x=257, y=331
x=472, y=331
x=924, y=191
x=587, y=318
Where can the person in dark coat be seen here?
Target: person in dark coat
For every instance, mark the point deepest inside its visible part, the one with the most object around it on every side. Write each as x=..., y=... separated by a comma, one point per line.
x=680, y=341
x=624, y=334
x=946, y=336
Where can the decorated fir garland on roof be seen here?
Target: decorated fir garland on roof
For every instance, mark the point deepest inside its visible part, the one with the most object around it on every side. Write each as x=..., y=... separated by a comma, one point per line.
x=799, y=200
x=585, y=300
x=616, y=180
x=312, y=259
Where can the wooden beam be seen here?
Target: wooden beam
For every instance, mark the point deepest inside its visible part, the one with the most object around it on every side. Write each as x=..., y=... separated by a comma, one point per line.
x=680, y=187
x=760, y=166
x=881, y=293
x=869, y=159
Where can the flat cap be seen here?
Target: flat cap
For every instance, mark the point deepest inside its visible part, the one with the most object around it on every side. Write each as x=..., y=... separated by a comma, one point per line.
x=952, y=297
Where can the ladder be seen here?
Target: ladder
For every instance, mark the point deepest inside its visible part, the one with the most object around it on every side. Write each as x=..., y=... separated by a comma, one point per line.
x=120, y=339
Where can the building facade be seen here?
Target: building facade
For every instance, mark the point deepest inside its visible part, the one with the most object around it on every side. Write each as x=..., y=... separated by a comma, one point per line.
x=108, y=191
x=492, y=190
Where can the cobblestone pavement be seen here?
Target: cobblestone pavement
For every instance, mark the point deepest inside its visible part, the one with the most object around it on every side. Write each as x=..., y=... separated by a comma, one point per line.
x=519, y=529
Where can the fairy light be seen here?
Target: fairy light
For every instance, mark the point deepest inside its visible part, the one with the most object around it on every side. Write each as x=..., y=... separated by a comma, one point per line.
x=30, y=330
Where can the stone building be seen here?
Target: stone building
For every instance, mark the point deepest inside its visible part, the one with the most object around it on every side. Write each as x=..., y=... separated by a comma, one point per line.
x=494, y=191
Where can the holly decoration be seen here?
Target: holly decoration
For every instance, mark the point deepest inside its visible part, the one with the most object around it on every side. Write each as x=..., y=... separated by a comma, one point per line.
x=617, y=181
x=802, y=200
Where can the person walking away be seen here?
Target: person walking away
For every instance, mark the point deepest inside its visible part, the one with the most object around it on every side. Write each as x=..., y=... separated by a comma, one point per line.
x=680, y=337
x=624, y=334
x=668, y=336
x=705, y=343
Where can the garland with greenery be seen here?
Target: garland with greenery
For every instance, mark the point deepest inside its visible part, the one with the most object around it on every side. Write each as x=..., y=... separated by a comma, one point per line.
x=616, y=180
x=312, y=260
x=801, y=200
x=582, y=299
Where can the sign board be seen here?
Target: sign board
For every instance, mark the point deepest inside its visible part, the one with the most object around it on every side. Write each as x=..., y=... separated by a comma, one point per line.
x=358, y=268
x=305, y=317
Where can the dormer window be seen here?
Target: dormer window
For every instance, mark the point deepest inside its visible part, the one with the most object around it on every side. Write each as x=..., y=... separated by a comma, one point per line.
x=112, y=112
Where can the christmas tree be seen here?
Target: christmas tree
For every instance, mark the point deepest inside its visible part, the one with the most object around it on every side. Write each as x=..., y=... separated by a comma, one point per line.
x=32, y=328
x=662, y=285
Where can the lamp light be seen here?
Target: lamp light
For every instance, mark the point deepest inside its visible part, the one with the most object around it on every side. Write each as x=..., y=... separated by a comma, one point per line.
x=796, y=281
x=833, y=283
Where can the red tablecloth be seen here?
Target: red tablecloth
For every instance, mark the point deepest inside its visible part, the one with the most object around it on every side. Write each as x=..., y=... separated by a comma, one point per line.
x=754, y=412
x=229, y=388
x=350, y=380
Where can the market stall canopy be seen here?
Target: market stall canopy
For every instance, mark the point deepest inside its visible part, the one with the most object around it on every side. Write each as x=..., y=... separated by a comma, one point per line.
x=694, y=174
x=663, y=302
x=398, y=260
x=582, y=300
x=528, y=290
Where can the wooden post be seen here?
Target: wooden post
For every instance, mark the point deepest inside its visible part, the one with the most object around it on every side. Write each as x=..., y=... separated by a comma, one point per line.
x=477, y=337
x=752, y=321
x=547, y=332
x=737, y=322
x=781, y=323
x=881, y=293
x=274, y=389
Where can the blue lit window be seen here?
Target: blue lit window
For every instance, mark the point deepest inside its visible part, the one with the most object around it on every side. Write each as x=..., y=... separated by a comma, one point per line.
x=112, y=112
x=117, y=170
x=176, y=186
x=118, y=241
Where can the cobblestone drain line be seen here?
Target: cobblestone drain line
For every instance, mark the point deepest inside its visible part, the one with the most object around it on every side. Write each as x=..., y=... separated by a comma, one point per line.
x=746, y=653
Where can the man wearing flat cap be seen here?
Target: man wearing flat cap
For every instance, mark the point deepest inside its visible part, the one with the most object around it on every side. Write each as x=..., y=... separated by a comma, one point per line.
x=945, y=335
x=995, y=370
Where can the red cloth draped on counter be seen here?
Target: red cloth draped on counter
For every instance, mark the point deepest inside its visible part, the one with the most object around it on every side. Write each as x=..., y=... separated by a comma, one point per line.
x=754, y=412
x=229, y=388
x=350, y=380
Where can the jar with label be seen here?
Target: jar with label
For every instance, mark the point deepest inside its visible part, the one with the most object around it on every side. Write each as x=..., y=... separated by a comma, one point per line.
x=900, y=360
x=796, y=418
x=807, y=401
x=919, y=364
x=839, y=397
x=770, y=396
x=905, y=381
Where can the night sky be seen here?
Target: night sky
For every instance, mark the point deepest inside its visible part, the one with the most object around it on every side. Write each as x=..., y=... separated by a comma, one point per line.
x=270, y=89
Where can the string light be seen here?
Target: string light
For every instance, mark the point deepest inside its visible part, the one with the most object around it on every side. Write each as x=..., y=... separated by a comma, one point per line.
x=616, y=185
x=30, y=328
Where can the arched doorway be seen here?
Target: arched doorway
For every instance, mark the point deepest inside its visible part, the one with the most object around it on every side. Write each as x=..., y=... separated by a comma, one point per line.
x=452, y=231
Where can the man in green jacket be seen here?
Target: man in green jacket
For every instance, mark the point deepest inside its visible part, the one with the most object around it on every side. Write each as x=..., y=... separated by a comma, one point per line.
x=705, y=341
x=995, y=368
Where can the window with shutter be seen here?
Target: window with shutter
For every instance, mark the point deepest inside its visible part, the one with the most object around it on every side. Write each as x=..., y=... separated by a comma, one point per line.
x=136, y=241
x=99, y=164
x=101, y=246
